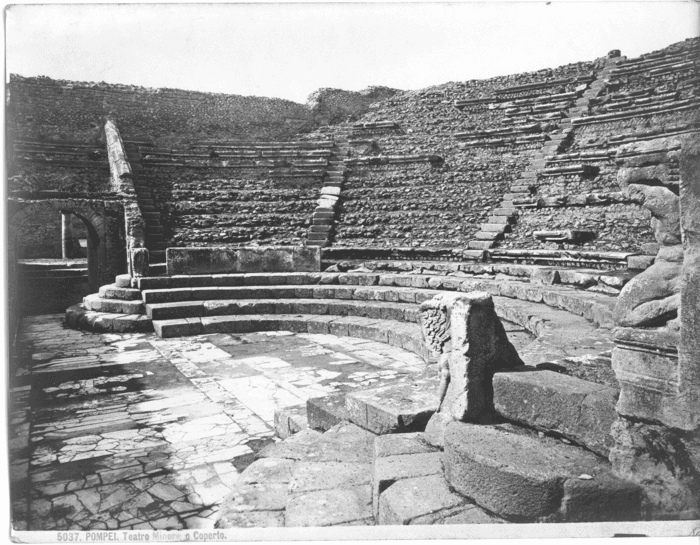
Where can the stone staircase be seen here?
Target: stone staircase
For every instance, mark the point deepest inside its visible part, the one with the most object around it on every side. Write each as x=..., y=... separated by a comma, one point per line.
x=322, y=223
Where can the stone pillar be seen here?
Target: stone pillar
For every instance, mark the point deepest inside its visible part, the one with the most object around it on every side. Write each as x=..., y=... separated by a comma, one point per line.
x=66, y=235
x=657, y=357
x=689, y=349
x=467, y=336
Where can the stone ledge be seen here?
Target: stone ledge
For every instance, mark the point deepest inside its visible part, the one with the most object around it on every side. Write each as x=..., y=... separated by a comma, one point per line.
x=526, y=479
x=579, y=410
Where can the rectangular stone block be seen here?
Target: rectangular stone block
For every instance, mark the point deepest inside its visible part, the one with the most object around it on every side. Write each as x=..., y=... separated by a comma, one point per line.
x=393, y=409
x=577, y=409
x=246, y=260
x=325, y=412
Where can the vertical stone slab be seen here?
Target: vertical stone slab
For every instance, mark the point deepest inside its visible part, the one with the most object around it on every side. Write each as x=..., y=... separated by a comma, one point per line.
x=139, y=262
x=188, y=260
x=307, y=258
x=465, y=333
x=689, y=349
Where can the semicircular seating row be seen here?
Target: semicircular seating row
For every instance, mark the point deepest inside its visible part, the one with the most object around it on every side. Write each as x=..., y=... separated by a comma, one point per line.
x=380, y=307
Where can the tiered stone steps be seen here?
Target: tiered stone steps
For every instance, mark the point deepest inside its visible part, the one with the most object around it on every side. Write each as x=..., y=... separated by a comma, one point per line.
x=60, y=153
x=237, y=191
x=373, y=306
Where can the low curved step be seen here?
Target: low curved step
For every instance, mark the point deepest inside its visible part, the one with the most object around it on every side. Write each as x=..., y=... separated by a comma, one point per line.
x=113, y=306
x=78, y=317
x=403, y=335
x=113, y=291
x=596, y=307
x=526, y=478
x=402, y=312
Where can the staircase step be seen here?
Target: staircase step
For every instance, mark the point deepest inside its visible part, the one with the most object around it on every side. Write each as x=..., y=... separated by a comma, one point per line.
x=480, y=244
x=501, y=220
x=150, y=214
x=513, y=196
x=401, y=312
x=488, y=235
x=505, y=211
x=113, y=306
x=78, y=317
x=579, y=410
x=496, y=227
x=112, y=291
x=523, y=477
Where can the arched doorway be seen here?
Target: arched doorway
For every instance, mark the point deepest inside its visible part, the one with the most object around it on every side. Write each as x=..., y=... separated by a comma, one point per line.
x=101, y=225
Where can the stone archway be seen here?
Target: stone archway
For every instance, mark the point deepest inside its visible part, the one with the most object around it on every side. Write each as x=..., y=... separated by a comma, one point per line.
x=105, y=245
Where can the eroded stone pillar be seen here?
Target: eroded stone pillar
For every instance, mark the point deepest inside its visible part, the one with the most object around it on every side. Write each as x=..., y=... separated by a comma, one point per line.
x=467, y=336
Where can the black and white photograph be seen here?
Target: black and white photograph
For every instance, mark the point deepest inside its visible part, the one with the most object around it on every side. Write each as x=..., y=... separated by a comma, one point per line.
x=429, y=270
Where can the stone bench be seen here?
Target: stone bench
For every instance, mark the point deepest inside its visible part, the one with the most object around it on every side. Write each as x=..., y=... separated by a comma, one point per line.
x=679, y=106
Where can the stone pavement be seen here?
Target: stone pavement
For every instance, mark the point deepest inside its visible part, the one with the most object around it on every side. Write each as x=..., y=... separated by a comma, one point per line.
x=132, y=431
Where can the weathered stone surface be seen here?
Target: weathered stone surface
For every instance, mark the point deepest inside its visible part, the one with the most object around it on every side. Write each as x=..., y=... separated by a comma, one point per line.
x=250, y=519
x=663, y=462
x=139, y=262
x=243, y=260
x=648, y=376
x=428, y=500
x=325, y=412
x=267, y=470
x=664, y=206
x=399, y=444
x=464, y=331
x=514, y=475
x=308, y=476
x=330, y=507
x=290, y=420
x=689, y=348
x=345, y=442
x=577, y=409
x=652, y=297
x=393, y=409
x=390, y=469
